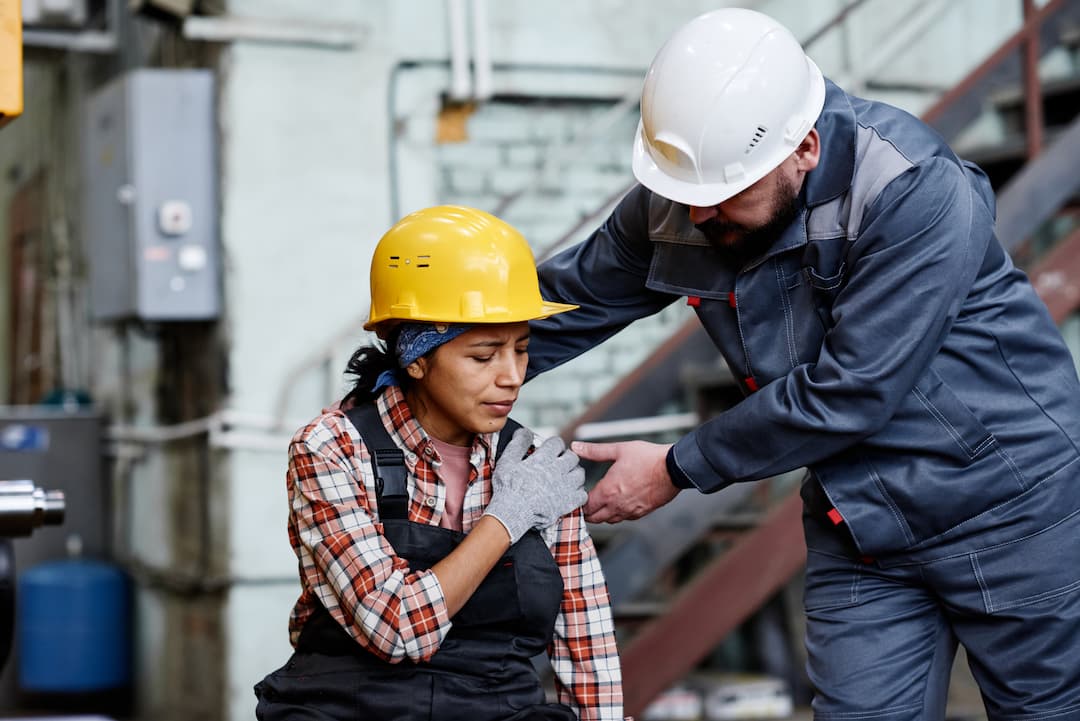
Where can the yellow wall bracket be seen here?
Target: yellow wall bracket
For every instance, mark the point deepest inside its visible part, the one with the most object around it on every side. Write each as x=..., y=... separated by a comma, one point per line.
x=11, y=59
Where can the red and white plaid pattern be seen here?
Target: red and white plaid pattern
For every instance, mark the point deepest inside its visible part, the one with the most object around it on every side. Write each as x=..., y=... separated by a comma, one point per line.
x=348, y=566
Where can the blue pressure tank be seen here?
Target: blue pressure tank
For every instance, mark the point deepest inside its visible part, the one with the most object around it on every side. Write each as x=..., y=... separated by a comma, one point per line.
x=74, y=627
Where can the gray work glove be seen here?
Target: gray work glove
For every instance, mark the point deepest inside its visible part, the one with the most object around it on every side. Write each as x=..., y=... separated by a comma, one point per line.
x=535, y=491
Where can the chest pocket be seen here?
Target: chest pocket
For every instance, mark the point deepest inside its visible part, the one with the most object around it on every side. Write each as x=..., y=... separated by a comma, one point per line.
x=823, y=272
x=813, y=280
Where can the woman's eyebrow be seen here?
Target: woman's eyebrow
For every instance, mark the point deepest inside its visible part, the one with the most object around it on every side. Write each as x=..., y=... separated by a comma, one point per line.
x=496, y=343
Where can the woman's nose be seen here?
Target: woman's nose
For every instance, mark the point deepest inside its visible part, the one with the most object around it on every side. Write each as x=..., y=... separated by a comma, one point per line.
x=513, y=374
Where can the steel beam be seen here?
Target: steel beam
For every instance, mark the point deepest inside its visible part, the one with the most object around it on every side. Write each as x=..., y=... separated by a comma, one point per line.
x=1033, y=99
x=1040, y=189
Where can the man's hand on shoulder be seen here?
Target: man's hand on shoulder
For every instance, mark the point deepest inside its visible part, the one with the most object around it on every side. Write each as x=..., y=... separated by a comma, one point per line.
x=636, y=484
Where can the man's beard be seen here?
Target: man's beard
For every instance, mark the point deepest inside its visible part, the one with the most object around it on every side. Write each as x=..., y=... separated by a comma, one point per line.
x=740, y=244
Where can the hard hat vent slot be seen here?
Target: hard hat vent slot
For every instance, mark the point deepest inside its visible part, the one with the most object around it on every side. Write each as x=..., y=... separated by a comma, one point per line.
x=420, y=261
x=759, y=135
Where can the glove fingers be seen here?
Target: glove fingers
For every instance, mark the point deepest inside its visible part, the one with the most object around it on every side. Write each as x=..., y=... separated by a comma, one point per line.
x=568, y=461
x=549, y=450
x=518, y=446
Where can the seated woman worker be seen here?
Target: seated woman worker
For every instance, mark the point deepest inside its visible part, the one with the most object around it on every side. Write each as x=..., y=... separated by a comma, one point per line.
x=432, y=571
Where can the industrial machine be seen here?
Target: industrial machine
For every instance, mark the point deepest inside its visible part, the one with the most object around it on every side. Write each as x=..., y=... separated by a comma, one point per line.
x=23, y=508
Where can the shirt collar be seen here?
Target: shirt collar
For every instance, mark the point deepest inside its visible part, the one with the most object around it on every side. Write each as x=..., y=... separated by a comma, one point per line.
x=391, y=404
x=835, y=169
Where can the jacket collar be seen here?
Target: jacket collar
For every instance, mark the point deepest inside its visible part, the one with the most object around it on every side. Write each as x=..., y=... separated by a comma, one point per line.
x=836, y=126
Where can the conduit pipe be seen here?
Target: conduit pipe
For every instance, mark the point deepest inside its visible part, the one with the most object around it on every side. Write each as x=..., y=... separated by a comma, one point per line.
x=460, y=77
x=483, y=87
x=470, y=62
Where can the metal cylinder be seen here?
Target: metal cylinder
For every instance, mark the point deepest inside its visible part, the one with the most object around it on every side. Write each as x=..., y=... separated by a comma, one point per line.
x=24, y=507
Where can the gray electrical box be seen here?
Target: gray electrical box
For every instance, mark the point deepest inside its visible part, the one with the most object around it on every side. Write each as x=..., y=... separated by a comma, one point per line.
x=150, y=213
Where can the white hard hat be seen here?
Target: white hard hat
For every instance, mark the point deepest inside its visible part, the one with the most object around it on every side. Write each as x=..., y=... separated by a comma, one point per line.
x=728, y=98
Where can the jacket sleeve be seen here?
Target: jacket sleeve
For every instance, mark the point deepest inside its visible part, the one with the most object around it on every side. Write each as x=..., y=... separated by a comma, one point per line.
x=345, y=562
x=583, y=652
x=605, y=275
x=911, y=267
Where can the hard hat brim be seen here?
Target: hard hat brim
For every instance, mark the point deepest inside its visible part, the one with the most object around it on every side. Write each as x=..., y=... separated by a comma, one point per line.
x=546, y=310
x=549, y=309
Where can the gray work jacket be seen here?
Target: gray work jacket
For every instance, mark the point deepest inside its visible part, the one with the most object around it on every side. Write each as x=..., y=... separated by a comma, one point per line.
x=885, y=340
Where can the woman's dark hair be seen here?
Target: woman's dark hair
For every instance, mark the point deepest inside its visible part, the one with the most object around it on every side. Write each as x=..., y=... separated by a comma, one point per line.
x=367, y=363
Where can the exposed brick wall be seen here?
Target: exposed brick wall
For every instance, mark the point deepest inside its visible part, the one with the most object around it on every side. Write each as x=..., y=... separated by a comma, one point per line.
x=528, y=150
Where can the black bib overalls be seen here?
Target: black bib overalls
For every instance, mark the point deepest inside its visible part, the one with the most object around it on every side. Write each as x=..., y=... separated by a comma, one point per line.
x=481, y=672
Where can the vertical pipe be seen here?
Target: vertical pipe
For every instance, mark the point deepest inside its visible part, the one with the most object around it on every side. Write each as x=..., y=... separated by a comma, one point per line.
x=482, y=86
x=460, y=80
x=1033, y=109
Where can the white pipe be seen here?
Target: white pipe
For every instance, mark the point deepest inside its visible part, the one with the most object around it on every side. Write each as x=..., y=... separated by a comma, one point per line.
x=163, y=434
x=483, y=86
x=289, y=31
x=241, y=441
x=260, y=421
x=87, y=41
x=460, y=81
x=636, y=426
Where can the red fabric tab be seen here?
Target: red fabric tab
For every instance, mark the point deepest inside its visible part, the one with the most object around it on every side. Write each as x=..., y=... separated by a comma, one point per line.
x=835, y=517
x=731, y=299
x=868, y=560
x=693, y=301
x=750, y=383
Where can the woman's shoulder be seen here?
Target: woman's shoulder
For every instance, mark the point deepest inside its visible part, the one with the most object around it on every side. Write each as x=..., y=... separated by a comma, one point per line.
x=330, y=427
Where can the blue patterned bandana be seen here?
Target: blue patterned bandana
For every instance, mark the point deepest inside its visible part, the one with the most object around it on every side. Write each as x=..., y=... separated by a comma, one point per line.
x=416, y=340
x=419, y=339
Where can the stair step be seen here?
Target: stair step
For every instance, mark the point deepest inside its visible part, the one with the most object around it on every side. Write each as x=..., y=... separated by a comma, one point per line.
x=1000, y=161
x=1060, y=97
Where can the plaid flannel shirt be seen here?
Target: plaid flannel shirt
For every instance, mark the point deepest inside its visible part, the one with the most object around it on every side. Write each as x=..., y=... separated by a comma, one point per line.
x=348, y=566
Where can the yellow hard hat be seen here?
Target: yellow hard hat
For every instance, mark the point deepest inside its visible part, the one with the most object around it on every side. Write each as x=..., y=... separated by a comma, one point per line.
x=452, y=264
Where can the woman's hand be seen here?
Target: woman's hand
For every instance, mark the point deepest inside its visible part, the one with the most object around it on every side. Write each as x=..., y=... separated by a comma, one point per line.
x=535, y=491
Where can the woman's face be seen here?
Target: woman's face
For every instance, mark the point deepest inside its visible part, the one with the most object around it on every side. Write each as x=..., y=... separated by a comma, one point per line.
x=469, y=385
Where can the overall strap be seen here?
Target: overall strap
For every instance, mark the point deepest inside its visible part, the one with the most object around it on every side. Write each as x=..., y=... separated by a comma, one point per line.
x=388, y=461
x=505, y=435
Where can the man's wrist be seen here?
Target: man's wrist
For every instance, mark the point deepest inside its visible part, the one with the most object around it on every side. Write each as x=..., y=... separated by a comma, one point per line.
x=678, y=479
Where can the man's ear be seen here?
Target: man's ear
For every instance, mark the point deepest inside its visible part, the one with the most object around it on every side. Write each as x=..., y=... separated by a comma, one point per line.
x=416, y=369
x=808, y=153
